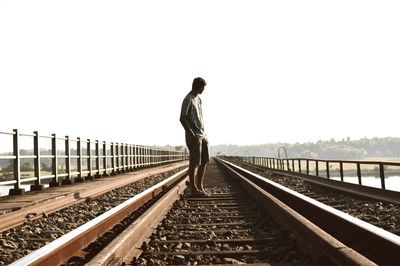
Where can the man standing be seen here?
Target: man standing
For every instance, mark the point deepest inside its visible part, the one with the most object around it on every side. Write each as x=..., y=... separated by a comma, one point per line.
x=196, y=141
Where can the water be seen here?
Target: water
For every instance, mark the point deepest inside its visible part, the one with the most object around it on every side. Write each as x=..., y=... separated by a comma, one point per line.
x=5, y=190
x=391, y=182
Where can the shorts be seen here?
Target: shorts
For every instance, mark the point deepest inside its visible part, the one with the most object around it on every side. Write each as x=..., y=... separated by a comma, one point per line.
x=198, y=151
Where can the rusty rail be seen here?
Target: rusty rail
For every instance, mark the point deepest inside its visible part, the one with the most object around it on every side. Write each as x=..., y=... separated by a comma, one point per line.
x=61, y=249
x=376, y=244
x=321, y=167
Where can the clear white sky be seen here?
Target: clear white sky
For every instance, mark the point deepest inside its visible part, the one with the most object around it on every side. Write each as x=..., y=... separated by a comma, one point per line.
x=289, y=71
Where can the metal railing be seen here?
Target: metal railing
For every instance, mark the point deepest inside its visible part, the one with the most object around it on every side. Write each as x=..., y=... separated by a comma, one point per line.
x=68, y=160
x=338, y=169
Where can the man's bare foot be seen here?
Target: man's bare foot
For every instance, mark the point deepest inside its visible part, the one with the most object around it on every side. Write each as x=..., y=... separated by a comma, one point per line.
x=199, y=193
x=205, y=191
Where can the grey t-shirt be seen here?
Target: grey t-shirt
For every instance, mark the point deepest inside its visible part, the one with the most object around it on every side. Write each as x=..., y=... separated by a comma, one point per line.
x=191, y=108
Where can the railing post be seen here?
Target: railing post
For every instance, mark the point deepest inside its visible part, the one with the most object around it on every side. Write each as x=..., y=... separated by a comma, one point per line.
x=316, y=168
x=79, y=153
x=327, y=170
x=150, y=151
x=308, y=166
x=293, y=165
x=127, y=157
x=144, y=150
x=382, y=175
x=89, y=153
x=17, y=190
x=117, y=156
x=133, y=157
x=135, y=160
x=153, y=152
x=134, y=148
x=67, y=180
x=54, y=165
x=147, y=156
x=144, y=161
x=341, y=171
x=359, y=173
x=105, y=158
x=288, y=165
x=98, y=175
x=130, y=157
x=113, y=159
x=139, y=155
x=299, y=161
x=140, y=149
x=123, y=157
x=150, y=156
x=36, y=151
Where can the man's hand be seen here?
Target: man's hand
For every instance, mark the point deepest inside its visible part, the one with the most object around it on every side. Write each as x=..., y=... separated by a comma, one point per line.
x=192, y=134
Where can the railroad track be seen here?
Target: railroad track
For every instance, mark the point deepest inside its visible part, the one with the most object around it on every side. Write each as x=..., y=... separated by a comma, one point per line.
x=22, y=233
x=382, y=212
x=246, y=219
x=227, y=227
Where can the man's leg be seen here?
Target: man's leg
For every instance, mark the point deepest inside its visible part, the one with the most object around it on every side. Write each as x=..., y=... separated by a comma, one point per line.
x=205, y=158
x=200, y=177
x=191, y=173
x=194, y=160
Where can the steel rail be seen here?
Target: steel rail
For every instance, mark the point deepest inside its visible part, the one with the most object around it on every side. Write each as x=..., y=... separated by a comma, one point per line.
x=376, y=244
x=127, y=245
x=63, y=248
x=348, y=188
x=64, y=200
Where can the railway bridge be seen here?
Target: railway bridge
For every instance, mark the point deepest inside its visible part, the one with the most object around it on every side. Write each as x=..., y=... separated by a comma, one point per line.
x=73, y=201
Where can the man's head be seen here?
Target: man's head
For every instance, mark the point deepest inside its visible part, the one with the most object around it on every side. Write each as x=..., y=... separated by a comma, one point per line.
x=198, y=85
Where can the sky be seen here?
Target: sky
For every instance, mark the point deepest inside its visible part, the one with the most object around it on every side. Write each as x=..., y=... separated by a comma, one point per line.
x=276, y=71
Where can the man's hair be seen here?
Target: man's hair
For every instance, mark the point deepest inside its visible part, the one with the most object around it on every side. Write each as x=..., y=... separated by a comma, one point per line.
x=197, y=82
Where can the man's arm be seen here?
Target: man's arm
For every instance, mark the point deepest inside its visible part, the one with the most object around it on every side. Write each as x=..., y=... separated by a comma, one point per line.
x=185, y=125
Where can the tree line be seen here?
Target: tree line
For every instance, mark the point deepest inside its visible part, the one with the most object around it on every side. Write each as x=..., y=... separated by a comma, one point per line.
x=331, y=149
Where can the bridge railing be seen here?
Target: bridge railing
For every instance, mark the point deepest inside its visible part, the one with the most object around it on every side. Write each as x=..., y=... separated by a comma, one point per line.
x=60, y=160
x=331, y=169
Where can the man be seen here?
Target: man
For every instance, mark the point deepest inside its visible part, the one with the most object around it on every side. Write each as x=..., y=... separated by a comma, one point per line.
x=196, y=141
